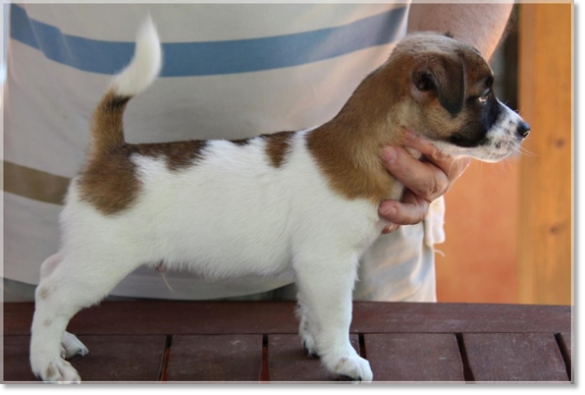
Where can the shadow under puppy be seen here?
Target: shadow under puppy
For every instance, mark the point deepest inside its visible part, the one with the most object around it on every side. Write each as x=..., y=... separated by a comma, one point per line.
x=293, y=203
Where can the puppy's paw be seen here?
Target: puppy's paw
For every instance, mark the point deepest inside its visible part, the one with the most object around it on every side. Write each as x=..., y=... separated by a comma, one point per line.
x=350, y=367
x=309, y=343
x=72, y=346
x=309, y=346
x=56, y=371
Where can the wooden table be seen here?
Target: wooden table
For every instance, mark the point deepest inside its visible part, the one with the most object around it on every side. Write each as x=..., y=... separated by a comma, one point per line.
x=158, y=341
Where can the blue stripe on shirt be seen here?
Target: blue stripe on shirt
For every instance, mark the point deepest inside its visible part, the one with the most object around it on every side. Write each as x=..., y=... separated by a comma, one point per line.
x=210, y=57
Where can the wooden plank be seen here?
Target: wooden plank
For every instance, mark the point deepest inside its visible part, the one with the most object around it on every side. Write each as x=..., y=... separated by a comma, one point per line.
x=414, y=357
x=110, y=359
x=546, y=191
x=289, y=362
x=514, y=357
x=16, y=359
x=167, y=317
x=215, y=358
x=376, y=317
x=183, y=318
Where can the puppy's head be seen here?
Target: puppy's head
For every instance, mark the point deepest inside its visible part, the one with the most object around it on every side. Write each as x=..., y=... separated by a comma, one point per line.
x=446, y=94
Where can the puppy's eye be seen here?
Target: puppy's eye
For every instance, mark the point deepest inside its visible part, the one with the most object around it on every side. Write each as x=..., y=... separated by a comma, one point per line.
x=425, y=82
x=484, y=97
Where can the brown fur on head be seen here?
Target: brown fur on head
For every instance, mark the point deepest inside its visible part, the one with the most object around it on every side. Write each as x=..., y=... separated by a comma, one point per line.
x=425, y=84
x=432, y=85
x=442, y=75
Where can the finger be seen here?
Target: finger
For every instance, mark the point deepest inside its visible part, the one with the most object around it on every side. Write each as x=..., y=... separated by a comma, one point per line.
x=423, y=178
x=412, y=210
x=389, y=228
x=427, y=148
x=451, y=166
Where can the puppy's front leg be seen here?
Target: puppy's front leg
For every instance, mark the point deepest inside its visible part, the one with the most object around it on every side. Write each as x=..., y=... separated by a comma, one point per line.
x=325, y=287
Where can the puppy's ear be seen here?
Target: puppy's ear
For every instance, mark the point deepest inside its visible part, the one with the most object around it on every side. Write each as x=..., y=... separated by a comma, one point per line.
x=444, y=76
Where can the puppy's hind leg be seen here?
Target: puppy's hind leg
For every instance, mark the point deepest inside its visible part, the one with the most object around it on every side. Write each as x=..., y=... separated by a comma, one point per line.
x=79, y=280
x=49, y=265
x=70, y=344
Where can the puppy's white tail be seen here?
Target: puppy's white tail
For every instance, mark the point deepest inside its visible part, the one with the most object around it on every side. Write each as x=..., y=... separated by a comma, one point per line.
x=146, y=64
x=107, y=129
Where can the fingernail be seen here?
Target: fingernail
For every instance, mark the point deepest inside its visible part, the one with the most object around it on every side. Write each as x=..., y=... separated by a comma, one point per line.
x=389, y=228
x=389, y=154
x=391, y=212
x=409, y=135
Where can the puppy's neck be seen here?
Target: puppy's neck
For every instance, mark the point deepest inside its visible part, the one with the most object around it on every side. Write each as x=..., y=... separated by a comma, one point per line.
x=348, y=148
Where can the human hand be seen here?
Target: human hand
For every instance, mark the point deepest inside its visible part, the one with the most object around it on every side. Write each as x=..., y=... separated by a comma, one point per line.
x=424, y=179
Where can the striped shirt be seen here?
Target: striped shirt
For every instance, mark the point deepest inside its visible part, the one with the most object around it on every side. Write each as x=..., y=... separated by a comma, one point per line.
x=230, y=71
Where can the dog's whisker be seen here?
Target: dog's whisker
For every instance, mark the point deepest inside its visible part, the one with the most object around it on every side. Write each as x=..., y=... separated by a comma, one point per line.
x=502, y=168
x=526, y=151
x=521, y=151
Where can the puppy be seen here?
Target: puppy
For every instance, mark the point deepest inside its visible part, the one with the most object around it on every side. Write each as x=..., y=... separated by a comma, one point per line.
x=301, y=202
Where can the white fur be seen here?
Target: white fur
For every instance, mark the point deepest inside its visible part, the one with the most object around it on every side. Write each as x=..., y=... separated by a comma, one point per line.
x=145, y=65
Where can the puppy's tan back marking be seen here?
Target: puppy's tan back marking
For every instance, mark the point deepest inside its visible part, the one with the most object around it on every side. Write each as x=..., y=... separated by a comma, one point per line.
x=178, y=155
x=277, y=146
x=242, y=142
x=109, y=180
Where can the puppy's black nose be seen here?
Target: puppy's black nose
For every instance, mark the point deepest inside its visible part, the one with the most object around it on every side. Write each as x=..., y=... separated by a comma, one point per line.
x=523, y=129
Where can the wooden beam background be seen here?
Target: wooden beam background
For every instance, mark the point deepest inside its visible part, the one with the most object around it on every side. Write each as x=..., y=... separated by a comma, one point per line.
x=509, y=226
x=545, y=233
x=480, y=262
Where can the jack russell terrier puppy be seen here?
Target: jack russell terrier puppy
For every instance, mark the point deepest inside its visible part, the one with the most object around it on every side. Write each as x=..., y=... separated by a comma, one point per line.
x=303, y=203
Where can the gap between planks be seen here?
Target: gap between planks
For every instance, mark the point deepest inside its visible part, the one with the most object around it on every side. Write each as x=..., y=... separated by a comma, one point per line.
x=467, y=372
x=163, y=374
x=264, y=372
x=565, y=353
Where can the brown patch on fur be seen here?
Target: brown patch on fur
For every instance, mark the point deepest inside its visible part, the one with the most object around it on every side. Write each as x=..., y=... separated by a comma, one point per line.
x=47, y=322
x=50, y=372
x=242, y=142
x=178, y=155
x=44, y=292
x=348, y=148
x=277, y=146
x=109, y=179
x=107, y=128
x=354, y=170
x=387, y=102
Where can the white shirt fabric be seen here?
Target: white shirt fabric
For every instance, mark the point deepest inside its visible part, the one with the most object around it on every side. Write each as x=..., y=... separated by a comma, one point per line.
x=230, y=71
